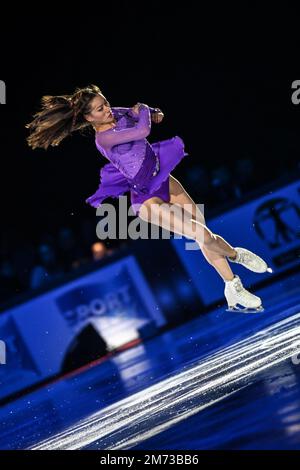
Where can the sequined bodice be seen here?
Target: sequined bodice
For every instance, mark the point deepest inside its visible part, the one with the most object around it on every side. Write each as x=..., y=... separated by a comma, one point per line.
x=125, y=145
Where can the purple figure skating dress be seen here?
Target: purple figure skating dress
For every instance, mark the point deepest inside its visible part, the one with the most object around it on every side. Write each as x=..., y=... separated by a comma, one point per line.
x=135, y=164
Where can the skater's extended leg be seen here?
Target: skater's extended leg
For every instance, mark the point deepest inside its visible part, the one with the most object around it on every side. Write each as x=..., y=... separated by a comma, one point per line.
x=156, y=211
x=241, y=256
x=181, y=197
x=174, y=218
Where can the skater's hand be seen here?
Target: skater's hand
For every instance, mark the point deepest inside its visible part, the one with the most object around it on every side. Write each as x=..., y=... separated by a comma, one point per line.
x=136, y=108
x=157, y=117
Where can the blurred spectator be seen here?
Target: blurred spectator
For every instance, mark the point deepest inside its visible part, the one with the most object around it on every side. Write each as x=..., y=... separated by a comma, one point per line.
x=244, y=176
x=23, y=258
x=222, y=184
x=9, y=283
x=98, y=250
x=69, y=251
x=197, y=180
x=88, y=232
x=47, y=269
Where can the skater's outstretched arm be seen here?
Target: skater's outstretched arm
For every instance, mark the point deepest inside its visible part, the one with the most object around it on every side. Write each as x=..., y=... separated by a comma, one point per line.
x=111, y=137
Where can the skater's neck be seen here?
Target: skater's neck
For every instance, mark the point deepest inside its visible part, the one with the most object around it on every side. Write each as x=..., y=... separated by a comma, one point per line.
x=104, y=127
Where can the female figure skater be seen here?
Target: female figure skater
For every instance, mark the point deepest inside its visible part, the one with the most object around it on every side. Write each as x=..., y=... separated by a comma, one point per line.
x=144, y=170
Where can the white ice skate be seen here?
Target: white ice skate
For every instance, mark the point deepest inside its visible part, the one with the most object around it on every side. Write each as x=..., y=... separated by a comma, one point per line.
x=250, y=261
x=236, y=294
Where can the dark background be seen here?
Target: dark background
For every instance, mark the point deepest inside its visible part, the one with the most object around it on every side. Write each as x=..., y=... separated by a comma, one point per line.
x=222, y=77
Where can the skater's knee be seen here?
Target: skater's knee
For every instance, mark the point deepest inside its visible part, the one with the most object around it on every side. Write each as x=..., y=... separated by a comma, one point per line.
x=148, y=207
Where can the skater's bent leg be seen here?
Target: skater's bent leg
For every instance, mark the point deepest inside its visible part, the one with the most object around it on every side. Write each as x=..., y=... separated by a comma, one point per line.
x=220, y=264
x=181, y=197
x=215, y=243
x=174, y=218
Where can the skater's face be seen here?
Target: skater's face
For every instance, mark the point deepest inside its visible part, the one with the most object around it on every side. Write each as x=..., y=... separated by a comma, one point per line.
x=100, y=111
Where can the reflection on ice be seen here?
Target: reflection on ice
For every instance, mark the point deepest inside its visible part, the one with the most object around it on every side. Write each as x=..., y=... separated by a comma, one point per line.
x=130, y=421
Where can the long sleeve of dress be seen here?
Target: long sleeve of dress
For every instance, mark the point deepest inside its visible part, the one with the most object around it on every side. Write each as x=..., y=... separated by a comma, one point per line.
x=129, y=110
x=141, y=130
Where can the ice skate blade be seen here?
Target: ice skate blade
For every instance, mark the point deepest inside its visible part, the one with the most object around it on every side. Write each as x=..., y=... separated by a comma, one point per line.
x=245, y=309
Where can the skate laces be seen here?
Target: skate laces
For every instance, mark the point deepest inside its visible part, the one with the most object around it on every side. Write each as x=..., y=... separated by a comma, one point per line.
x=237, y=283
x=243, y=257
x=240, y=291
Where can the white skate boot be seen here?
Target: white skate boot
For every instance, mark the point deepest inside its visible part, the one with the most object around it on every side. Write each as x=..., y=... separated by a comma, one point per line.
x=250, y=261
x=236, y=294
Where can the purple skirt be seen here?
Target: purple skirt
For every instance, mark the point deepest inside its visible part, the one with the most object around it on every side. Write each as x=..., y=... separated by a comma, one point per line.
x=152, y=179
